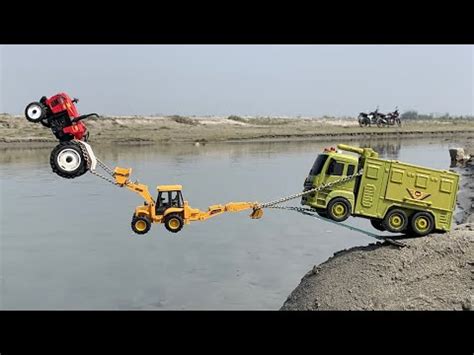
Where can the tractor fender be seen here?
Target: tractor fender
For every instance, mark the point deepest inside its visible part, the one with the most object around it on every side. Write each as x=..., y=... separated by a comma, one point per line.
x=348, y=195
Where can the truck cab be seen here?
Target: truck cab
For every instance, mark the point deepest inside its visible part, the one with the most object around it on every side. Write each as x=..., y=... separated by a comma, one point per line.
x=328, y=167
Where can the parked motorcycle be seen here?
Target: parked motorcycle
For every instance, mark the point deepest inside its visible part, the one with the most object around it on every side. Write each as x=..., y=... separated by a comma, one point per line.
x=390, y=119
x=368, y=119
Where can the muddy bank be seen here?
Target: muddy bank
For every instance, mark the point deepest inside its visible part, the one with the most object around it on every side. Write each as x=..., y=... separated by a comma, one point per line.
x=16, y=130
x=431, y=273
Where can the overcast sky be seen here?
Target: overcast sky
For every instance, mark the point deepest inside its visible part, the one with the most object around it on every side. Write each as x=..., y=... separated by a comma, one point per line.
x=309, y=80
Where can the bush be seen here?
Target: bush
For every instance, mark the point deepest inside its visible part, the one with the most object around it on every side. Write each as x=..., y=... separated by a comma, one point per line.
x=183, y=120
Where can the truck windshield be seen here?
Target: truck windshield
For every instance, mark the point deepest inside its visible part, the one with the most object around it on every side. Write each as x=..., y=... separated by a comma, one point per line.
x=318, y=164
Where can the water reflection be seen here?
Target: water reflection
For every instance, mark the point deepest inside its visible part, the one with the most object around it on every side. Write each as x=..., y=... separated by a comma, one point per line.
x=390, y=149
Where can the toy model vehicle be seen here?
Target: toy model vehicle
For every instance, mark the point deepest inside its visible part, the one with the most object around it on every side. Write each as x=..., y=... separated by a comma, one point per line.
x=395, y=196
x=69, y=158
x=170, y=208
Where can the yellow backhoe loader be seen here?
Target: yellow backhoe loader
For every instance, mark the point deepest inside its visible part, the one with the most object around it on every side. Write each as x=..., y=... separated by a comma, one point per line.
x=170, y=208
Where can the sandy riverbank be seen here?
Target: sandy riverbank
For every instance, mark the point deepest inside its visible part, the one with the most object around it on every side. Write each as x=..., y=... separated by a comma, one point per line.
x=16, y=130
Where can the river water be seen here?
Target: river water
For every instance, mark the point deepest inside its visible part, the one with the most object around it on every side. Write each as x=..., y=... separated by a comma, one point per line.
x=67, y=244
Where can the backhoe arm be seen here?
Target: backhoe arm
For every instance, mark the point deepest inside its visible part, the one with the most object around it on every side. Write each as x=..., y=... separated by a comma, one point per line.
x=121, y=176
x=215, y=210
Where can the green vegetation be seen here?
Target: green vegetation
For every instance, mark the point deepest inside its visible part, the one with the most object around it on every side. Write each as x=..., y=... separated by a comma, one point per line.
x=183, y=120
x=414, y=115
x=261, y=121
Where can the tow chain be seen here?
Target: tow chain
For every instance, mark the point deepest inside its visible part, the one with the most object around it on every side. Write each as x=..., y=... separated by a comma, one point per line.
x=272, y=204
x=101, y=164
x=316, y=189
x=313, y=213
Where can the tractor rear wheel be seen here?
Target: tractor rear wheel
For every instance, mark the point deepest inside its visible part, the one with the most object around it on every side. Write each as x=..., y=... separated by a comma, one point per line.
x=422, y=223
x=67, y=160
x=395, y=221
x=141, y=224
x=174, y=222
x=35, y=111
x=338, y=209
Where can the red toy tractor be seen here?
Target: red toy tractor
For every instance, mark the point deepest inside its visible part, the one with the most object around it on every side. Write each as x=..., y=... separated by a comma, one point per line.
x=72, y=156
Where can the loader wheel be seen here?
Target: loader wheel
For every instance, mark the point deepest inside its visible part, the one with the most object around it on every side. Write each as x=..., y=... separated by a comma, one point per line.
x=35, y=111
x=67, y=160
x=173, y=222
x=422, y=223
x=338, y=209
x=377, y=224
x=140, y=225
x=395, y=221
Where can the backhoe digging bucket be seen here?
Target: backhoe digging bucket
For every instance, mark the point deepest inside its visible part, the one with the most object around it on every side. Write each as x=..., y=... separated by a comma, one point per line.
x=257, y=213
x=121, y=175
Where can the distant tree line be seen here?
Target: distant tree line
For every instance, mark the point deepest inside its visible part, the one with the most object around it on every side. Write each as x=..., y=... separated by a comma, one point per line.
x=414, y=115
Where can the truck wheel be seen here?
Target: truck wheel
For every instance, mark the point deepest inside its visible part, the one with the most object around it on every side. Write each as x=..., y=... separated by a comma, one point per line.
x=395, y=221
x=321, y=212
x=35, y=111
x=67, y=160
x=173, y=222
x=377, y=224
x=338, y=209
x=140, y=225
x=422, y=223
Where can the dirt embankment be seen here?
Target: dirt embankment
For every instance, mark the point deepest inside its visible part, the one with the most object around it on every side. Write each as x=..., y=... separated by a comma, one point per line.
x=431, y=273
x=145, y=130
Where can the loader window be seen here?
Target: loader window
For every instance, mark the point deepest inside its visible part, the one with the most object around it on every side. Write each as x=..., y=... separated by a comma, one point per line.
x=163, y=202
x=335, y=168
x=176, y=199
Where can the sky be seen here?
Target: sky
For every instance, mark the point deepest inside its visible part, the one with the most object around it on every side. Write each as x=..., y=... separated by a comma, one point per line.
x=255, y=80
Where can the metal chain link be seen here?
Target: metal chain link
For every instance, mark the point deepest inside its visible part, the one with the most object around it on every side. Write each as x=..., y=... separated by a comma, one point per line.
x=316, y=189
x=101, y=164
x=313, y=213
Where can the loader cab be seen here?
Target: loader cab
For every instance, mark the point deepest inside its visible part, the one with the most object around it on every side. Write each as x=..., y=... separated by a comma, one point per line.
x=168, y=196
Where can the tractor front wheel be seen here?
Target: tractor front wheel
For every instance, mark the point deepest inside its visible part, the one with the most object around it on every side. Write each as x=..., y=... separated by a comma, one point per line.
x=174, y=222
x=35, y=112
x=67, y=160
x=140, y=225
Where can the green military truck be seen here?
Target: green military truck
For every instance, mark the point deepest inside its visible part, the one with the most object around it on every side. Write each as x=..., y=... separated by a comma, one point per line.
x=395, y=196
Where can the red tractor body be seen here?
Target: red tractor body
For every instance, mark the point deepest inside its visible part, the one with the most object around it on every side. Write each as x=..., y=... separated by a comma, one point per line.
x=62, y=102
x=59, y=113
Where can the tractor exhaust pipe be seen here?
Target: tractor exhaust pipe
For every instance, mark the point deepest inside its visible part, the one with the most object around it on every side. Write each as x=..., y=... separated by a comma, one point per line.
x=85, y=116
